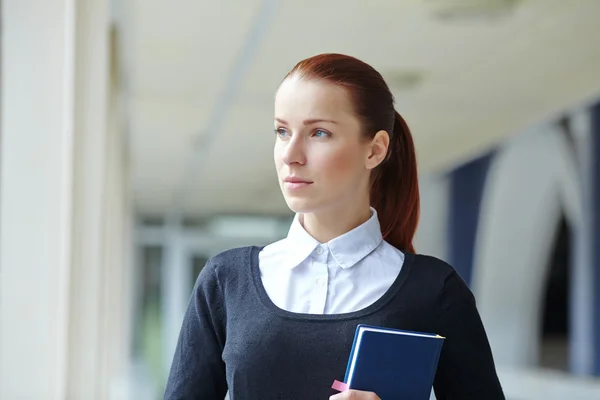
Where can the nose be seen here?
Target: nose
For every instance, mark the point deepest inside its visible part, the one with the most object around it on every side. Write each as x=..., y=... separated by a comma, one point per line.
x=293, y=151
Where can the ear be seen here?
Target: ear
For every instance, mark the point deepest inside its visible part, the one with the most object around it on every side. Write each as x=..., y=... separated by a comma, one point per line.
x=378, y=148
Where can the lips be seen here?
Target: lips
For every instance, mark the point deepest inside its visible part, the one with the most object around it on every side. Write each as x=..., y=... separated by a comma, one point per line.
x=295, y=179
x=296, y=183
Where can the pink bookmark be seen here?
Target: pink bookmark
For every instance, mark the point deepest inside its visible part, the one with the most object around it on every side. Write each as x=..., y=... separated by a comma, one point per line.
x=340, y=386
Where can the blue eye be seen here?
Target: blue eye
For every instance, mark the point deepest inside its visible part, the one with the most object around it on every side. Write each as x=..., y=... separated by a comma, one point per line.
x=321, y=133
x=281, y=132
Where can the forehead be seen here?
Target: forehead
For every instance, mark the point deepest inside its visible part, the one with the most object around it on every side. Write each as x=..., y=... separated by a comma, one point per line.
x=311, y=98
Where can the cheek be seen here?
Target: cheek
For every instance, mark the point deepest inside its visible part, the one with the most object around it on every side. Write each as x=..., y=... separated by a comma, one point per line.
x=277, y=157
x=340, y=165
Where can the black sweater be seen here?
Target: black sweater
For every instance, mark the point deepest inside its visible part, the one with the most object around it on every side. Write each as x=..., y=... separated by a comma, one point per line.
x=233, y=337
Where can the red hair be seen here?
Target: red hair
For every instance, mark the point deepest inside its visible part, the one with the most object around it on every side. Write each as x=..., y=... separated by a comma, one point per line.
x=394, y=184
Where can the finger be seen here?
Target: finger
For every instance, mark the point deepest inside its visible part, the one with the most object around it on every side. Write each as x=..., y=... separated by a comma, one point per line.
x=355, y=395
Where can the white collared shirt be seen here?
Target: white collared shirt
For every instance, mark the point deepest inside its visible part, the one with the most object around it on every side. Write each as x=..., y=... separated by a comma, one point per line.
x=344, y=275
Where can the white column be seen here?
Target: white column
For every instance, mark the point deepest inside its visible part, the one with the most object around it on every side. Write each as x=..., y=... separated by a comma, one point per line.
x=37, y=89
x=174, y=273
x=117, y=264
x=520, y=210
x=53, y=286
x=87, y=374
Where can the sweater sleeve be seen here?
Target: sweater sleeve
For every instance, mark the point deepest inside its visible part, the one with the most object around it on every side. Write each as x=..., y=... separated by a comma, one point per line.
x=197, y=370
x=466, y=367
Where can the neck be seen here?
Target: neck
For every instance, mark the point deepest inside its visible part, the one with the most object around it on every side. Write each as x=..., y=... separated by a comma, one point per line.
x=329, y=224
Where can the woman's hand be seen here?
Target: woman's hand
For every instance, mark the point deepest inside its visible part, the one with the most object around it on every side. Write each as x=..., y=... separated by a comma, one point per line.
x=355, y=395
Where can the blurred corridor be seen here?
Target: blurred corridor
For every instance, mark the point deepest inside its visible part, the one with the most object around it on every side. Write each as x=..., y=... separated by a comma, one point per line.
x=136, y=143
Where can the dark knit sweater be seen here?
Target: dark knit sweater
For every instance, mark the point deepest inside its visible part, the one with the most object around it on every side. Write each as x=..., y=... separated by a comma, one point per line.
x=234, y=338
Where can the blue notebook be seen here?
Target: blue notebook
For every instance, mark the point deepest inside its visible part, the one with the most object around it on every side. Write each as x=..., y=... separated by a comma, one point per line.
x=395, y=364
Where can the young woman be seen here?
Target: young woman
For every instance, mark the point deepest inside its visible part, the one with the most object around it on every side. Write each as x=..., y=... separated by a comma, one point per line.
x=278, y=322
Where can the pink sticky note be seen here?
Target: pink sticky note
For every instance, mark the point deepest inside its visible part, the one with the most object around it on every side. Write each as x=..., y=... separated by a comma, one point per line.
x=340, y=386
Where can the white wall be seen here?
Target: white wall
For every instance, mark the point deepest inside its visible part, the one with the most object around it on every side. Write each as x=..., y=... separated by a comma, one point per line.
x=64, y=207
x=522, y=204
x=35, y=220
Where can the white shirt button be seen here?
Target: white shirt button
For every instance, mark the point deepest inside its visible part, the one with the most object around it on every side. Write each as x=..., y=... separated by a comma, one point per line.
x=319, y=250
x=321, y=281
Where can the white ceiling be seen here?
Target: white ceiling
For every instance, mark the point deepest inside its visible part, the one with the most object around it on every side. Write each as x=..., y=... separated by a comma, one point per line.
x=482, y=80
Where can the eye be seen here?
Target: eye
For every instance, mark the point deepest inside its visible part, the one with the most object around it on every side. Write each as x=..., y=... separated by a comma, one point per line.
x=322, y=133
x=281, y=133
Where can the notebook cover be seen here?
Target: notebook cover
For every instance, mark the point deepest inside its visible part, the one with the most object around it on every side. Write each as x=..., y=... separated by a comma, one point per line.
x=394, y=364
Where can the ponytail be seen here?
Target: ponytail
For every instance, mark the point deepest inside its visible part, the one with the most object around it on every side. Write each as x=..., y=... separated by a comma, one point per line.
x=395, y=189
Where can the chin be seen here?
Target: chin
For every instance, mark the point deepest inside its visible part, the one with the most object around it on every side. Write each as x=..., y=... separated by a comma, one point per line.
x=301, y=206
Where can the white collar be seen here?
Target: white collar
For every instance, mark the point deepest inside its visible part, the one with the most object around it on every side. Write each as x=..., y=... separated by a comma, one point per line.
x=347, y=249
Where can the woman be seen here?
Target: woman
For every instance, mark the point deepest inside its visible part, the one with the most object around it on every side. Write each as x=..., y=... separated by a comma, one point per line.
x=278, y=322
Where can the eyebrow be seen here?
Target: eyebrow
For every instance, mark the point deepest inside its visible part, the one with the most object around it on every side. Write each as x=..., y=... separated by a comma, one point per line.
x=308, y=121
